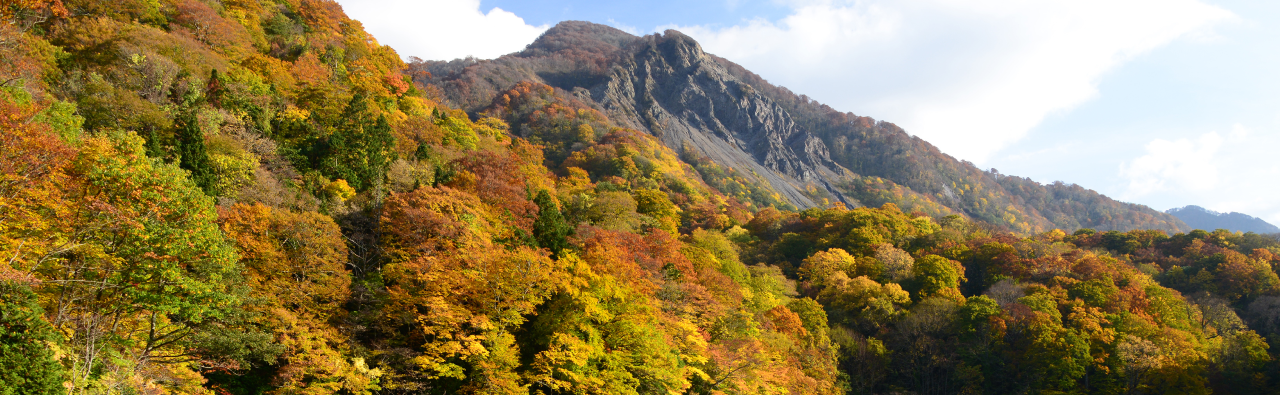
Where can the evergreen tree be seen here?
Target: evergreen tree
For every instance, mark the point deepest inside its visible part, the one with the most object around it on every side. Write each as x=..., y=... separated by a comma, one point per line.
x=550, y=229
x=191, y=148
x=153, y=143
x=361, y=150
x=27, y=365
x=379, y=148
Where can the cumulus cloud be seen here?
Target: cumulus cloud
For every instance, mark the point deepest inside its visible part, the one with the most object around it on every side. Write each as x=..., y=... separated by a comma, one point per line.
x=1174, y=165
x=969, y=76
x=442, y=29
x=1223, y=173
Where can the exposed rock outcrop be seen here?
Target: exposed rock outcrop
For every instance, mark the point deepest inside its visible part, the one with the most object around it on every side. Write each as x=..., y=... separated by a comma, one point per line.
x=672, y=89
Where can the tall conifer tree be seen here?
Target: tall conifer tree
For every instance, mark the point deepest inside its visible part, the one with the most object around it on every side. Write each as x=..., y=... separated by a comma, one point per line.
x=191, y=149
x=361, y=150
x=550, y=229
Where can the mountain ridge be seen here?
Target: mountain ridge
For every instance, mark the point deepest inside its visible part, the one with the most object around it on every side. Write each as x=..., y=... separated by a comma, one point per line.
x=1205, y=219
x=805, y=151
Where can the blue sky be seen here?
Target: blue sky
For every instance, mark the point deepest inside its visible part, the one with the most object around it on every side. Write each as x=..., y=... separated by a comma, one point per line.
x=643, y=16
x=1159, y=102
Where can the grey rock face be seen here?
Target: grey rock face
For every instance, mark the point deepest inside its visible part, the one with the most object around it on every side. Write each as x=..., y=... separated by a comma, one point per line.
x=669, y=87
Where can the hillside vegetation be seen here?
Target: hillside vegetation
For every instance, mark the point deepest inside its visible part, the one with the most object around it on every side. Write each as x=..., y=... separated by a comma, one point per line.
x=254, y=196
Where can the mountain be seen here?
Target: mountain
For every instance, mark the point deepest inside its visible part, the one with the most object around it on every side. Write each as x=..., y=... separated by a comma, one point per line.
x=716, y=112
x=1202, y=218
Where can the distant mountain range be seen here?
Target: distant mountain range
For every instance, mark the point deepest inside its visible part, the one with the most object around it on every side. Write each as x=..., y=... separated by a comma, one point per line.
x=717, y=114
x=1201, y=218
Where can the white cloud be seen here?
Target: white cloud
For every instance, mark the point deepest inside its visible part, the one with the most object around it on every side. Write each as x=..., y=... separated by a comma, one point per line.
x=970, y=76
x=1224, y=174
x=442, y=29
x=1239, y=133
x=624, y=27
x=1173, y=165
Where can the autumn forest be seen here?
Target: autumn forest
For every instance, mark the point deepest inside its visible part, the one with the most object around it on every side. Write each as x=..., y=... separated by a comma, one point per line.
x=232, y=197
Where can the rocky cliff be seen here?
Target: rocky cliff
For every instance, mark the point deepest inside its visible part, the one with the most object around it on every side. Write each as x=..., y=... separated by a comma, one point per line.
x=669, y=87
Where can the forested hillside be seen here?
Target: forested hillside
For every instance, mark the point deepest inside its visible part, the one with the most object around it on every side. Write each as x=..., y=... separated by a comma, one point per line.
x=254, y=196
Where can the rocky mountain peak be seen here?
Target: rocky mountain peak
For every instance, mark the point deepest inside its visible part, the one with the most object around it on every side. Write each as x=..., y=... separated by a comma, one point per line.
x=670, y=87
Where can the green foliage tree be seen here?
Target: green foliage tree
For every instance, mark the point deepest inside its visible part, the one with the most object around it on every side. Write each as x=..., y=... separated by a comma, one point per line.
x=550, y=229
x=27, y=363
x=456, y=132
x=938, y=276
x=137, y=266
x=194, y=157
x=657, y=205
x=361, y=149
